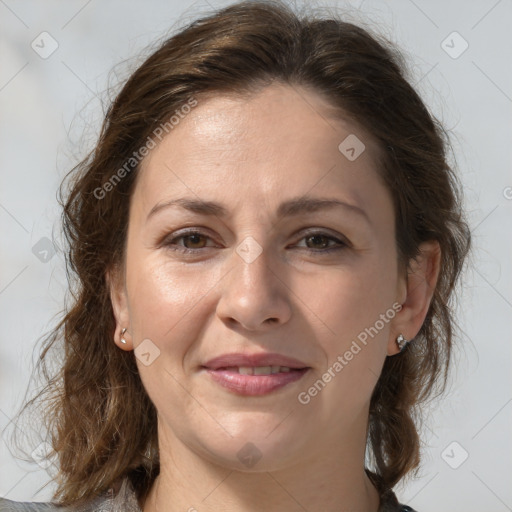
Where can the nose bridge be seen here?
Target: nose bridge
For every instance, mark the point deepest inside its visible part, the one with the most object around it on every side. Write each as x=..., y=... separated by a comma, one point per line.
x=255, y=259
x=253, y=292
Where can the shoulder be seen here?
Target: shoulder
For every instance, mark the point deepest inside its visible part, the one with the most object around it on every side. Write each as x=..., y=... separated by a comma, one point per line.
x=120, y=498
x=390, y=503
x=8, y=506
x=100, y=504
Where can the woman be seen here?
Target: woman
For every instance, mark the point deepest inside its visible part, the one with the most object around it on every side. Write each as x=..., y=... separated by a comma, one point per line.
x=266, y=238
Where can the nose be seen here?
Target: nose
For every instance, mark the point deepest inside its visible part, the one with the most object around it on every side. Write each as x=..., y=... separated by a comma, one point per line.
x=254, y=294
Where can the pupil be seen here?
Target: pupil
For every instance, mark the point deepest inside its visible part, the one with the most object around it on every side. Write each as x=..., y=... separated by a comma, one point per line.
x=194, y=238
x=317, y=237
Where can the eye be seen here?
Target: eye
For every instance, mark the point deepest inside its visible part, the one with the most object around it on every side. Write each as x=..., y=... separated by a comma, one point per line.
x=194, y=241
x=195, y=238
x=321, y=240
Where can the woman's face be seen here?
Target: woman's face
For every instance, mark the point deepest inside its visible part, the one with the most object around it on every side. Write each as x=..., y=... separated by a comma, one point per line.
x=261, y=274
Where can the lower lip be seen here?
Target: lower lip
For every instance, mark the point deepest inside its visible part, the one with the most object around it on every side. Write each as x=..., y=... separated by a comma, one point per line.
x=254, y=385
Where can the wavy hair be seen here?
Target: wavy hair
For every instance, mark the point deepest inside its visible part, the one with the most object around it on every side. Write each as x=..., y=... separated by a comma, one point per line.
x=241, y=49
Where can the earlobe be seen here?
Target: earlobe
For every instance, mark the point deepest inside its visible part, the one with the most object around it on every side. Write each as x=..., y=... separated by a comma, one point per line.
x=422, y=275
x=119, y=303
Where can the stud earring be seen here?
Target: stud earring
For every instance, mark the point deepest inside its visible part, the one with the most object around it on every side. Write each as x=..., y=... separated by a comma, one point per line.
x=122, y=334
x=401, y=342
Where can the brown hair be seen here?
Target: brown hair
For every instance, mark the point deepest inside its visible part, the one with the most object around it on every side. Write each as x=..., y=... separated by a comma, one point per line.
x=240, y=49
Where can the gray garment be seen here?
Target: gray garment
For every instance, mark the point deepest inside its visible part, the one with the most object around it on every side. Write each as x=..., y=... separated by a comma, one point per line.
x=124, y=501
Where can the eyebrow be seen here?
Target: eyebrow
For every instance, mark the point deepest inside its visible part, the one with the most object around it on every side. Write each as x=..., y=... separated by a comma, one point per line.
x=292, y=207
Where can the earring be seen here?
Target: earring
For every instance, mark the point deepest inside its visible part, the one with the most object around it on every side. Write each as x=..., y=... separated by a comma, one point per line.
x=401, y=342
x=122, y=334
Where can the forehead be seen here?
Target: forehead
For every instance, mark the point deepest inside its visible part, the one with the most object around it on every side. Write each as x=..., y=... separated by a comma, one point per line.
x=293, y=114
x=282, y=139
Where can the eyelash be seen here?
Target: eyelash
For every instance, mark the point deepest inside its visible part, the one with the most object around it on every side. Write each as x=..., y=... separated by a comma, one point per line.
x=169, y=244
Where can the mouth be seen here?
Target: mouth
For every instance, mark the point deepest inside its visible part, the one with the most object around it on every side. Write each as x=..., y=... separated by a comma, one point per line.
x=255, y=374
x=258, y=370
x=255, y=380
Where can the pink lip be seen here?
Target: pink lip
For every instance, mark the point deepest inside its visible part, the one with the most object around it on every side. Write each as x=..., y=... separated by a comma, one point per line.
x=221, y=371
x=253, y=385
x=261, y=359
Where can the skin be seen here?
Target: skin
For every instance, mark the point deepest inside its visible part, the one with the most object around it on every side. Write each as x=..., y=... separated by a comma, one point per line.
x=250, y=155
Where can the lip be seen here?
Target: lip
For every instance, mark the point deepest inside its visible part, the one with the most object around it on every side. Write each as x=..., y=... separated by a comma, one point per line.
x=220, y=369
x=261, y=359
x=254, y=385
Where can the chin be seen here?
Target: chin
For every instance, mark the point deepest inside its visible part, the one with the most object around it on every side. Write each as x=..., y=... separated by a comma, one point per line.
x=265, y=446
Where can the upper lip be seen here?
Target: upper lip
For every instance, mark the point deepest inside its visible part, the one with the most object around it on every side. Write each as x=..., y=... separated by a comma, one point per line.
x=261, y=359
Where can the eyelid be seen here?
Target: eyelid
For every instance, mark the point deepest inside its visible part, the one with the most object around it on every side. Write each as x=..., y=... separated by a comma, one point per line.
x=327, y=233
x=341, y=240
x=176, y=235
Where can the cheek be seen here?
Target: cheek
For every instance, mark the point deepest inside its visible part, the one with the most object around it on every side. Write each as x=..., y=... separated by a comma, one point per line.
x=167, y=306
x=168, y=299
x=352, y=299
x=355, y=345
x=355, y=339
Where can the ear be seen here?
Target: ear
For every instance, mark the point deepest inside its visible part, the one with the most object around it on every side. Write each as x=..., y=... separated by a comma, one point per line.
x=421, y=280
x=119, y=299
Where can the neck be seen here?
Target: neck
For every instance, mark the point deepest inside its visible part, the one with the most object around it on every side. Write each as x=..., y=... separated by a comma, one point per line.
x=328, y=479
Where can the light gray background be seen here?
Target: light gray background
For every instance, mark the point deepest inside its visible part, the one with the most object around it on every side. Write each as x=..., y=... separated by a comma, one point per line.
x=46, y=104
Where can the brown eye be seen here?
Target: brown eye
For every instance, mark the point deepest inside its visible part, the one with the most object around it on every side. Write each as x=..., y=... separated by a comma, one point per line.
x=194, y=239
x=320, y=241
